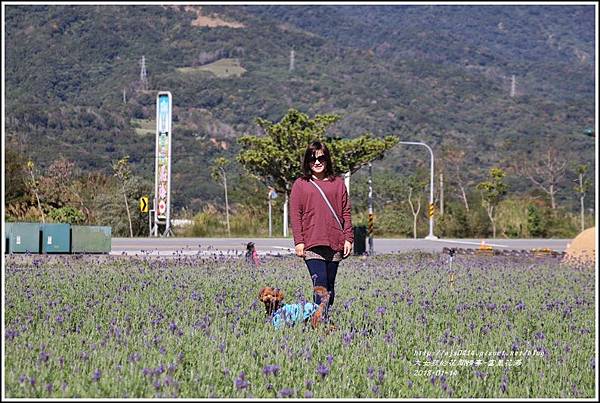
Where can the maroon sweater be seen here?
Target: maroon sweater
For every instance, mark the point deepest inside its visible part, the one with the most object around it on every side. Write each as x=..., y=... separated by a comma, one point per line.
x=312, y=221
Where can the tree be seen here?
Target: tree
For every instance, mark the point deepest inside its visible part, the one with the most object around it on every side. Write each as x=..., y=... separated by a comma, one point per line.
x=581, y=189
x=454, y=158
x=492, y=192
x=218, y=174
x=67, y=214
x=418, y=185
x=545, y=170
x=34, y=185
x=277, y=157
x=122, y=171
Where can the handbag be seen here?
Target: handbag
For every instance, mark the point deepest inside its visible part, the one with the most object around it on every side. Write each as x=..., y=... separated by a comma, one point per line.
x=328, y=204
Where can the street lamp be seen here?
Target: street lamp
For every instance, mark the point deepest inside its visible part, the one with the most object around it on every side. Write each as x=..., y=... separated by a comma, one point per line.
x=430, y=236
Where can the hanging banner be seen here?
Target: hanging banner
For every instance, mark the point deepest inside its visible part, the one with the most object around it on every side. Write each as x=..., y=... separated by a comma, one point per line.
x=162, y=189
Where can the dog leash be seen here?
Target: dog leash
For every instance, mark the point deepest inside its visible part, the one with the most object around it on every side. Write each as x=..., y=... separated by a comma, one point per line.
x=328, y=204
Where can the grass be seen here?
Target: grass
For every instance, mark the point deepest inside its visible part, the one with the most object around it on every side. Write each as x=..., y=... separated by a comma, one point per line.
x=112, y=326
x=144, y=127
x=221, y=68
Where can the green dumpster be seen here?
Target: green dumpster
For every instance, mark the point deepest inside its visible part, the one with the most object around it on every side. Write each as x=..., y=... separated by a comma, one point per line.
x=7, y=231
x=25, y=237
x=56, y=238
x=360, y=240
x=90, y=239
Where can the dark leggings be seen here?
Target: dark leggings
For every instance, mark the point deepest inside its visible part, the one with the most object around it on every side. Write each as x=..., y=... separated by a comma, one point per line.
x=322, y=274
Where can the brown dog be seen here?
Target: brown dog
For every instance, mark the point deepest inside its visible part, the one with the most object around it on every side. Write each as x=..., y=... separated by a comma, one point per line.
x=272, y=298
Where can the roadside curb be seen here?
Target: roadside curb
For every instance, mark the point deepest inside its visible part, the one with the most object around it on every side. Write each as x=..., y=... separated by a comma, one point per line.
x=487, y=250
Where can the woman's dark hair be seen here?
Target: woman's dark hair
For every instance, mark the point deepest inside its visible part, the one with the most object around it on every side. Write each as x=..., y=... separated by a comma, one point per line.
x=310, y=153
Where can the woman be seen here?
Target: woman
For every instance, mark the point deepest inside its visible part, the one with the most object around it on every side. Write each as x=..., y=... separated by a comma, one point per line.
x=322, y=228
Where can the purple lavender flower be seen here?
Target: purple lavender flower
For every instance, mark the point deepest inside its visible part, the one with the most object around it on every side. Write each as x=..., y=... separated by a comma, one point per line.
x=504, y=384
x=59, y=319
x=135, y=357
x=330, y=359
x=32, y=381
x=22, y=378
x=410, y=384
x=49, y=388
x=146, y=371
x=159, y=370
x=241, y=382
x=380, y=310
x=380, y=375
x=96, y=376
x=44, y=356
x=309, y=384
x=347, y=338
x=157, y=385
x=322, y=370
x=286, y=392
x=308, y=394
x=271, y=369
x=370, y=372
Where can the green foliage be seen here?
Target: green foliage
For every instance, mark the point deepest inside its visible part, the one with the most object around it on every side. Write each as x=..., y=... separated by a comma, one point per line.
x=67, y=215
x=495, y=189
x=454, y=223
x=536, y=224
x=277, y=157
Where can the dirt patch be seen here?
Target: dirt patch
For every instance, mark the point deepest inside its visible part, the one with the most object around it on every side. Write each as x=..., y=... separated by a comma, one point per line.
x=211, y=21
x=583, y=248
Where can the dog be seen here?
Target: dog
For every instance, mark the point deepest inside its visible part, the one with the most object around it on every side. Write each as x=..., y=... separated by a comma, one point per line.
x=291, y=314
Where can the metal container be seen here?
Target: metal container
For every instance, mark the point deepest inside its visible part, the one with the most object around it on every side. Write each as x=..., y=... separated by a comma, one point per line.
x=56, y=238
x=7, y=232
x=25, y=237
x=90, y=239
x=360, y=240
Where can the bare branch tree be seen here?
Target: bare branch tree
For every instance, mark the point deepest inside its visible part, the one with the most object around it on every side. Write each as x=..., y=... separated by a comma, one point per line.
x=544, y=169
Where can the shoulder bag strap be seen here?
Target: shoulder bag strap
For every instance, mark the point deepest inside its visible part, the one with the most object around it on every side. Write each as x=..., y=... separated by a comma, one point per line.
x=328, y=204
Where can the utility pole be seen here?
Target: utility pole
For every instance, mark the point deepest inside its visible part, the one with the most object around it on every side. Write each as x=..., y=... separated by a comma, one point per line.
x=124, y=97
x=371, y=251
x=272, y=195
x=441, y=193
x=431, y=206
x=144, y=74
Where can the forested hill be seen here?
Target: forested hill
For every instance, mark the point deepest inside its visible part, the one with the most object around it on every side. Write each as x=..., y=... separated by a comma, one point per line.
x=440, y=74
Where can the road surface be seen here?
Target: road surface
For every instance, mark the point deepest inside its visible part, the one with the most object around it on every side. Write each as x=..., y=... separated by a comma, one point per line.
x=284, y=246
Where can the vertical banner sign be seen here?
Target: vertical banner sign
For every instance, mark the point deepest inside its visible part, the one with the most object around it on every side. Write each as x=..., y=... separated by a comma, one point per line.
x=162, y=189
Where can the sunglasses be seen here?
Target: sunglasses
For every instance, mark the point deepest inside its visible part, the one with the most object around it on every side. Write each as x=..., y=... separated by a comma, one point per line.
x=320, y=158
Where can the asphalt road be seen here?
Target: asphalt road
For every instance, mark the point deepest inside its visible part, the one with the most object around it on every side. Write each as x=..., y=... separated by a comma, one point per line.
x=284, y=246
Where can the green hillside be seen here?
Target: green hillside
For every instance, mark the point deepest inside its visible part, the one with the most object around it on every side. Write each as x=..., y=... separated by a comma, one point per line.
x=437, y=74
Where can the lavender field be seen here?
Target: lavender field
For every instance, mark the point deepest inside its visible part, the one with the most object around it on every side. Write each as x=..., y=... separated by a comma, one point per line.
x=191, y=327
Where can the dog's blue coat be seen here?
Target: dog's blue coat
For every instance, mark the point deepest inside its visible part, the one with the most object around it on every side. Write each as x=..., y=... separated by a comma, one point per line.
x=291, y=314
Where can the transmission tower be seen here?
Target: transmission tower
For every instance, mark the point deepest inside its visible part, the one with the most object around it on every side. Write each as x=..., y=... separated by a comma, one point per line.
x=513, y=86
x=144, y=74
x=292, y=60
